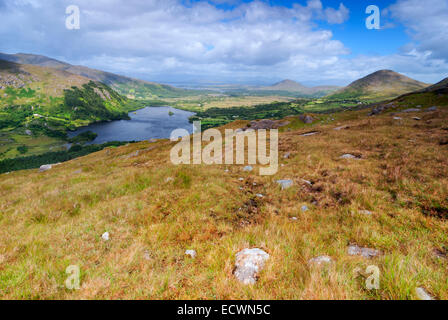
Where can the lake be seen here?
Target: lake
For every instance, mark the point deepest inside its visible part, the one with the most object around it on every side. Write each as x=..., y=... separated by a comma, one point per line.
x=145, y=124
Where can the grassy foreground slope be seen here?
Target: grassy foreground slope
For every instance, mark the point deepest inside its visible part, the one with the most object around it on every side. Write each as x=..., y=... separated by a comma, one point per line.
x=154, y=211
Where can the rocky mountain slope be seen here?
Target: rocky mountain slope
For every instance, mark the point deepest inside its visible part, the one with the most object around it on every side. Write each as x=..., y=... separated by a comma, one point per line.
x=382, y=84
x=130, y=87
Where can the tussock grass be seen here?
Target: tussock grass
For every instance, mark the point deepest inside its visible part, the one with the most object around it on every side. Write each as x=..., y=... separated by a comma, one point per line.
x=51, y=220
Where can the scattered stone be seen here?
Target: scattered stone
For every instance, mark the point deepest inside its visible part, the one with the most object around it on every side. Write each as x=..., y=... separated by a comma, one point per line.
x=419, y=106
x=306, y=119
x=169, y=179
x=294, y=218
x=286, y=155
x=304, y=208
x=355, y=250
x=365, y=212
x=105, y=236
x=422, y=294
x=248, y=168
x=28, y=132
x=266, y=124
x=249, y=263
x=416, y=118
x=227, y=171
x=191, y=253
x=241, y=179
x=411, y=110
x=397, y=118
x=285, y=184
x=350, y=156
x=259, y=195
x=318, y=261
x=146, y=255
x=431, y=109
x=341, y=128
x=312, y=133
x=307, y=182
x=45, y=167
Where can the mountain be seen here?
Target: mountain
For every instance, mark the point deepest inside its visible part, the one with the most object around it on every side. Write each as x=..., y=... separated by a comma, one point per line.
x=39, y=104
x=133, y=88
x=381, y=84
x=293, y=86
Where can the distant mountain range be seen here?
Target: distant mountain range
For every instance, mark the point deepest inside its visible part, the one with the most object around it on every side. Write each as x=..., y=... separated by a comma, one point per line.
x=293, y=86
x=132, y=88
x=379, y=85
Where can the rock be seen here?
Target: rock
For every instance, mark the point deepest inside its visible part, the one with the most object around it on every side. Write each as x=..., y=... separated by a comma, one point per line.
x=259, y=195
x=241, y=179
x=416, y=118
x=249, y=263
x=266, y=124
x=431, y=109
x=227, y=171
x=397, y=118
x=169, y=179
x=285, y=184
x=146, y=255
x=248, y=168
x=355, y=250
x=312, y=133
x=304, y=208
x=294, y=218
x=411, y=110
x=341, y=128
x=28, y=132
x=191, y=253
x=286, y=155
x=419, y=106
x=307, y=182
x=365, y=212
x=350, y=156
x=306, y=119
x=105, y=236
x=78, y=171
x=45, y=167
x=422, y=294
x=318, y=261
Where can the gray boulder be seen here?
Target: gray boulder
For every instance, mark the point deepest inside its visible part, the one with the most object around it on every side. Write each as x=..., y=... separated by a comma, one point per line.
x=248, y=265
x=285, y=184
x=368, y=253
x=45, y=167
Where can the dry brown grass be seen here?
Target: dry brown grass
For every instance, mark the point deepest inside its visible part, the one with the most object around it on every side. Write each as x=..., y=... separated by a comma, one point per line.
x=51, y=220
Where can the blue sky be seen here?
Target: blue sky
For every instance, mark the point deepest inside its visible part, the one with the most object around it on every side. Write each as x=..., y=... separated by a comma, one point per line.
x=231, y=41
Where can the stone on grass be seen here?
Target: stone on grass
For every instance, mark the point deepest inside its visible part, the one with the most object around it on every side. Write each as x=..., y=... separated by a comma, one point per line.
x=249, y=263
x=259, y=195
x=169, y=179
x=307, y=182
x=304, y=208
x=416, y=118
x=411, y=110
x=248, y=168
x=365, y=212
x=341, y=128
x=307, y=134
x=286, y=155
x=306, y=119
x=45, y=167
x=422, y=294
x=355, y=250
x=431, y=109
x=105, y=236
x=397, y=118
x=350, y=156
x=294, y=218
x=191, y=253
x=318, y=261
x=285, y=184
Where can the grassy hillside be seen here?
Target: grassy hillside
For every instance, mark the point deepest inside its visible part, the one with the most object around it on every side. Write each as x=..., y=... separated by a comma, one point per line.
x=379, y=85
x=154, y=211
x=39, y=104
x=132, y=88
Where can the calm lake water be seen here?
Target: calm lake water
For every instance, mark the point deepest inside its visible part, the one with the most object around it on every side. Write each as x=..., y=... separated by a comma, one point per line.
x=145, y=124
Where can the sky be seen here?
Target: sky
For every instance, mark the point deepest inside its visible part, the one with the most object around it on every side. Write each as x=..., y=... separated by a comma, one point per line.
x=314, y=42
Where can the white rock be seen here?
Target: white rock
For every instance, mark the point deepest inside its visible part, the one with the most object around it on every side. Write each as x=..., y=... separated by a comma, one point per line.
x=169, y=179
x=355, y=250
x=191, y=253
x=304, y=208
x=422, y=294
x=45, y=167
x=285, y=184
x=365, y=212
x=286, y=155
x=259, y=195
x=320, y=260
x=307, y=182
x=248, y=265
x=248, y=168
x=241, y=179
x=105, y=236
x=294, y=218
x=397, y=118
x=349, y=156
